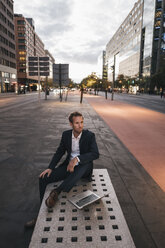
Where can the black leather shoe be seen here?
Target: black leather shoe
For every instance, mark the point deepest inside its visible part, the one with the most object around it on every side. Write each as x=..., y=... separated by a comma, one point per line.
x=31, y=223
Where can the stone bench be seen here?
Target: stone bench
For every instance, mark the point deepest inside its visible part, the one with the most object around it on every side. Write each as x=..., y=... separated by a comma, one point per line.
x=98, y=225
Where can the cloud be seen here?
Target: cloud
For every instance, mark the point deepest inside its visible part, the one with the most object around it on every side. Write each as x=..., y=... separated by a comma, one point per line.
x=75, y=31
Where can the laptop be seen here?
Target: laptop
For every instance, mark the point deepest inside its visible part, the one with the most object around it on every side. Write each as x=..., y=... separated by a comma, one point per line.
x=85, y=198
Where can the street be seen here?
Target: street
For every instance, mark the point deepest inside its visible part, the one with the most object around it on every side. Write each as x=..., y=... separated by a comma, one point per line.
x=13, y=101
x=30, y=133
x=153, y=102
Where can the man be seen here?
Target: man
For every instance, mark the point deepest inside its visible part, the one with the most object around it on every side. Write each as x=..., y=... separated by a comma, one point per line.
x=81, y=149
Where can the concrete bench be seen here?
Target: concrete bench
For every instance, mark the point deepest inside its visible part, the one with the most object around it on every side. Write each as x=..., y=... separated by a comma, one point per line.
x=100, y=224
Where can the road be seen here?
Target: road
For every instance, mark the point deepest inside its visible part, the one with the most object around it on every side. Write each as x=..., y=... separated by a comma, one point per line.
x=141, y=129
x=152, y=102
x=12, y=101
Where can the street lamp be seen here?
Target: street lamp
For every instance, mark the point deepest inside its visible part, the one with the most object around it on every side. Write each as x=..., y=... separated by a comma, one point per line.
x=113, y=81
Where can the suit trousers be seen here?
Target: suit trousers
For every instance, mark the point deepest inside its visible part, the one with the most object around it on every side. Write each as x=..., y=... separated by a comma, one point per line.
x=69, y=178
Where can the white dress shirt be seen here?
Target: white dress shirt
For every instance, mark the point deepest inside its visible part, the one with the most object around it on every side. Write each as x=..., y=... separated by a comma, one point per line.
x=75, y=147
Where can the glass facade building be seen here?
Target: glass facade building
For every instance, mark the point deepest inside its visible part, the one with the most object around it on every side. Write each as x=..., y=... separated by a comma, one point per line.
x=138, y=47
x=153, y=37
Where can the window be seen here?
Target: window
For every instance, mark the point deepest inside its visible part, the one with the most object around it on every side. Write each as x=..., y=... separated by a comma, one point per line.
x=157, y=24
x=21, y=47
x=21, y=22
x=21, y=35
x=21, y=41
x=13, y=65
x=22, y=64
x=6, y=74
x=22, y=52
x=22, y=70
x=20, y=28
x=12, y=75
x=158, y=14
x=22, y=58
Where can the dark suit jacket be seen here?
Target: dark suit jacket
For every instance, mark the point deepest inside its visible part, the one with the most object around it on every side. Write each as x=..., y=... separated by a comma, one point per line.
x=88, y=148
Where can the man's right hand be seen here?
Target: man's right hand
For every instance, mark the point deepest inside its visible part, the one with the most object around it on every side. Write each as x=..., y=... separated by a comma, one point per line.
x=47, y=171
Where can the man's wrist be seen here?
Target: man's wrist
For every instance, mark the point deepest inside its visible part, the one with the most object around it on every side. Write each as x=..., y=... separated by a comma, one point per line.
x=78, y=160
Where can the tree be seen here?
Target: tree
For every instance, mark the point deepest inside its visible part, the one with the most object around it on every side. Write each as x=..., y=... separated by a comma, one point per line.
x=90, y=81
x=71, y=84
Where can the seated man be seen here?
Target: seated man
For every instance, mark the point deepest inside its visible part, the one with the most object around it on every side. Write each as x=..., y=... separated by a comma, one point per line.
x=81, y=148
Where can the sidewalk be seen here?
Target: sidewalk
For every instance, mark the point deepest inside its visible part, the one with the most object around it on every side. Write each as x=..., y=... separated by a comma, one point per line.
x=29, y=138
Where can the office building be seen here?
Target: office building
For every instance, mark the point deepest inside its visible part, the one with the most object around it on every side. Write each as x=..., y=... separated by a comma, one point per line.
x=28, y=44
x=8, y=73
x=137, y=49
x=153, y=37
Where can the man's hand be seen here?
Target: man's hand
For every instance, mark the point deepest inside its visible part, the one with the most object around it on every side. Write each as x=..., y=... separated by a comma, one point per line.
x=72, y=164
x=47, y=171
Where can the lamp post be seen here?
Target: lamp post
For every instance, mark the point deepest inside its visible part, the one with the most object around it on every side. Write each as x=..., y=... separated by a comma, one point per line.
x=113, y=80
x=39, y=82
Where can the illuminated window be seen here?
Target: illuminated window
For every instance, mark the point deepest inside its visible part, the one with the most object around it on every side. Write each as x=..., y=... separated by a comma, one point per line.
x=157, y=24
x=13, y=75
x=22, y=52
x=22, y=58
x=158, y=14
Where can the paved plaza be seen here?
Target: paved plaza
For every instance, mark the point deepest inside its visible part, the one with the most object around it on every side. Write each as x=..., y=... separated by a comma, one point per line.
x=30, y=133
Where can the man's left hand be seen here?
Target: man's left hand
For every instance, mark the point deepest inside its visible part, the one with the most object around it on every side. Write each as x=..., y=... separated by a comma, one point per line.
x=72, y=164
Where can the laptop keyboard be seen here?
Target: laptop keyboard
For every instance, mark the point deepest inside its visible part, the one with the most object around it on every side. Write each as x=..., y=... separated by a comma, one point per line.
x=86, y=200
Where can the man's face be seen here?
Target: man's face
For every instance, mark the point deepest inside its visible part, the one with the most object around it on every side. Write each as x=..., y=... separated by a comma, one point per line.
x=77, y=124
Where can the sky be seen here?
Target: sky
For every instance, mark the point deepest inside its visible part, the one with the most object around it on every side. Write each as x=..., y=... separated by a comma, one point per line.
x=76, y=31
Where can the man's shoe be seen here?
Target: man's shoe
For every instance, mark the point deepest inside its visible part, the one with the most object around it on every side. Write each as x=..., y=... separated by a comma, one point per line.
x=31, y=223
x=52, y=198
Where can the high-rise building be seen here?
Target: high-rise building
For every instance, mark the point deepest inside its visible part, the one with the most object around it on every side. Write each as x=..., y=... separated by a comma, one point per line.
x=8, y=73
x=28, y=44
x=104, y=71
x=137, y=49
x=153, y=37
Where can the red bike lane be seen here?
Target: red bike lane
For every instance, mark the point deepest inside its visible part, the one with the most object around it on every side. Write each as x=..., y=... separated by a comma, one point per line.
x=141, y=130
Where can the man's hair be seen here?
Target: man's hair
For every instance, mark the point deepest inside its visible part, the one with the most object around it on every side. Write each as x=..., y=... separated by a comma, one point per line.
x=74, y=114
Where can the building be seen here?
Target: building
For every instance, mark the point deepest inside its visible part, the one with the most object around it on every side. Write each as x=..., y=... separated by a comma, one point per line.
x=51, y=62
x=104, y=69
x=153, y=37
x=8, y=73
x=137, y=48
x=123, y=49
x=28, y=44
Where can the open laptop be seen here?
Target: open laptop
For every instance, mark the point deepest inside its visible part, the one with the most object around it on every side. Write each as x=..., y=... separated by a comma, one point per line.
x=85, y=198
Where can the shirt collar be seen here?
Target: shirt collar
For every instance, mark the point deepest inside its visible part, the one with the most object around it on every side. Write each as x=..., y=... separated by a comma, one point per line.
x=78, y=137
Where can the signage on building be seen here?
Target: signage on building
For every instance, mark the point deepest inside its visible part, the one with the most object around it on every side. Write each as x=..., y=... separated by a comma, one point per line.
x=38, y=66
